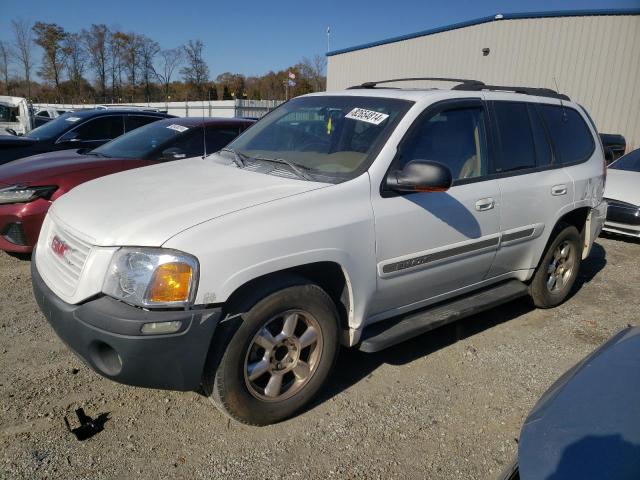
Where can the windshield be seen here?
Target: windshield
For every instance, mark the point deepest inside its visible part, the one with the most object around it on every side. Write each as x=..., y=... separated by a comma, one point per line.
x=55, y=127
x=142, y=142
x=325, y=135
x=630, y=162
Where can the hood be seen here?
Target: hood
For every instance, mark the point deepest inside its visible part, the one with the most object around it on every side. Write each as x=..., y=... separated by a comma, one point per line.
x=147, y=206
x=587, y=424
x=33, y=169
x=623, y=185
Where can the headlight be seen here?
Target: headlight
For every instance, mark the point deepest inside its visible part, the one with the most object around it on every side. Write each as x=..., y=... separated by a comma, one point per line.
x=22, y=194
x=152, y=277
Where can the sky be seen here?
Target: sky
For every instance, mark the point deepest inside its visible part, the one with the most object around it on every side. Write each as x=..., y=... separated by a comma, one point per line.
x=253, y=37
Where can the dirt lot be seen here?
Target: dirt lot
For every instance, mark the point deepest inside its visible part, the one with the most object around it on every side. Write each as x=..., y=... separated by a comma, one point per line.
x=446, y=405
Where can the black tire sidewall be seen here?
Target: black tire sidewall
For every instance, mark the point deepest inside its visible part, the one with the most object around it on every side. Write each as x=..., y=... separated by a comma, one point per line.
x=540, y=294
x=229, y=382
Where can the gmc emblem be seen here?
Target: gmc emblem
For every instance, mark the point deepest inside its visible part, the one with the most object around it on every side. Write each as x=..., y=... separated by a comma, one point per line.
x=59, y=247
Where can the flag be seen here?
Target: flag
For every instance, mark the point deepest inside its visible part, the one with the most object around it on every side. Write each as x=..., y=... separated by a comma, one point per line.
x=328, y=30
x=291, y=83
x=292, y=75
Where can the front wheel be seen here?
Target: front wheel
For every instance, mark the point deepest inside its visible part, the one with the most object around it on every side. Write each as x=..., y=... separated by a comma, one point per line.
x=555, y=276
x=278, y=358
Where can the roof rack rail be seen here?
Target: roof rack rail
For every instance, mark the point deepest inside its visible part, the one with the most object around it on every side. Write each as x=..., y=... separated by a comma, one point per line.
x=461, y=81
x=540, y=92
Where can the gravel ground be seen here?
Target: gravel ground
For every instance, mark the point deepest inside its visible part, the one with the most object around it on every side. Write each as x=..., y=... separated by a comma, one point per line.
x=446, y=405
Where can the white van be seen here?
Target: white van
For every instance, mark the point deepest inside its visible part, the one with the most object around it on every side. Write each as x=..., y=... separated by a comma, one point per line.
x=14, y=115
x=362, y=217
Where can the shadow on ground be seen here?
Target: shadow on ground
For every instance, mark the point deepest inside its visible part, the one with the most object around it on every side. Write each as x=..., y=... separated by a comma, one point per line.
x=353, y=365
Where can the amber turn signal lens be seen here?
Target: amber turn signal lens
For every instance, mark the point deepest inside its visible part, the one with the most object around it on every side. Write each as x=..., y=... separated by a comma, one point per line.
x=170, y=283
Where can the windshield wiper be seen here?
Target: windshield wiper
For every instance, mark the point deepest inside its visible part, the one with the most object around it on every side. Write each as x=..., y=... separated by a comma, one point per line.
x=297, y=169
x=237, y=157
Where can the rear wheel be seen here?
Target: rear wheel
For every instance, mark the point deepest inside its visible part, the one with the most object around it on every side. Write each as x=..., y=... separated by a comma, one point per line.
x=278, y=357
x=555, y=276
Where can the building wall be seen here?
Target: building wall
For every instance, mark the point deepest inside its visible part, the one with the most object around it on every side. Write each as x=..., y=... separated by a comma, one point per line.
x=594, y=59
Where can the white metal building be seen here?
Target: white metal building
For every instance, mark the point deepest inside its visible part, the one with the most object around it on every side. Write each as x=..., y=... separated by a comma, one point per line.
x=594, y=57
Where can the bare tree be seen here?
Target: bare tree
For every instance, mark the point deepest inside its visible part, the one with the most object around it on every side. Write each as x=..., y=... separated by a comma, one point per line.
x=51, y=37
x=95, y=40
x=5, y=55
x=76, y=60
x=314, y=71
x=196, y=72
x=117, y=43
x=23, y=47
x=169, y=61
x=148, y=51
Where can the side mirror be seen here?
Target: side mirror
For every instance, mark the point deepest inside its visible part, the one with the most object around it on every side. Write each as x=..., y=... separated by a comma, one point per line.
x=69, y=137
x=173, y=153
x=420, y=176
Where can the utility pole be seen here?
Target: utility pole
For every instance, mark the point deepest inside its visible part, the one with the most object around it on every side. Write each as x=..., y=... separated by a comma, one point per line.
x=328, y=34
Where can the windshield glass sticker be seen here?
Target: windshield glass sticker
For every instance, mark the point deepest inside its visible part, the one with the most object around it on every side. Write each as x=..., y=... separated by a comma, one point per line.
x=368, y=116
x=178, y=128
x=72, y=119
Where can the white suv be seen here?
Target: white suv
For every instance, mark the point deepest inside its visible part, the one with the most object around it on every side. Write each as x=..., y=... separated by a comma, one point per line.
x=362, y=217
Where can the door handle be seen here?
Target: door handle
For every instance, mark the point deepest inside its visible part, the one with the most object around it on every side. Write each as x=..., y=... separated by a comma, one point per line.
x=559, y=190
x=485, y=204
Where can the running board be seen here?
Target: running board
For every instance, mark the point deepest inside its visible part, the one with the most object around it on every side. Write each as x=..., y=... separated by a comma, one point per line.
x=387, y=333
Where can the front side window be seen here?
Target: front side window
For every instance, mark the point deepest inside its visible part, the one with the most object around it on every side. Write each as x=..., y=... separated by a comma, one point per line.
x=103, y=128
x=569, y=133
x=329, y=136
x=455, y=138
x=517, y=150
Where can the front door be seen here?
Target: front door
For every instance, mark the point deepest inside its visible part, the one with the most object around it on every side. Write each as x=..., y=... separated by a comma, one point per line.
x=432, y=244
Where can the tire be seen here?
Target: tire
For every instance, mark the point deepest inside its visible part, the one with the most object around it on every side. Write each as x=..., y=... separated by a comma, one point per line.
x=277, y=357
x=562, y=261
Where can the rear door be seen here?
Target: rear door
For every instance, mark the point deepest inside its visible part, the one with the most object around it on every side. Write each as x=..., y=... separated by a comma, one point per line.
x=431, y=244
x=534, y=187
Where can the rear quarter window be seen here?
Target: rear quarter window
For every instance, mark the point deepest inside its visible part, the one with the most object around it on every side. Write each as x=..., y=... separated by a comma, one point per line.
x=571, y=138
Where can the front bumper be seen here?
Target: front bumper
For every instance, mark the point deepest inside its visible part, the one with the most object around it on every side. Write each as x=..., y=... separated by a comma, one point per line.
x=106, y=334
x=623, y=218
x=20, y=225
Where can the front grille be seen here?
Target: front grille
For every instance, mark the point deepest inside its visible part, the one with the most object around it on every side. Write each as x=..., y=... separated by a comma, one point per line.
x=66, y=258
x=14, y=233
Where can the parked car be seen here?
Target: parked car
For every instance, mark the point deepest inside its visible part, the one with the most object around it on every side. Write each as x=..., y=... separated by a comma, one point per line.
x=75, y=130
x=29, y=185
x=15, y=118
x=614, y=146
x=586, y=425
x=362, y=217
x=46, y=114
x=623, y=195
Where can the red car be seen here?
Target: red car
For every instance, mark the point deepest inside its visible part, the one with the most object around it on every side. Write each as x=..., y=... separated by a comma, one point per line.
x=29, y=185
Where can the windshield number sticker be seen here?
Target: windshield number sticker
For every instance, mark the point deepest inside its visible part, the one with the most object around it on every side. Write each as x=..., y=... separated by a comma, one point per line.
x=368, y=116
x=178, y=128
x=72, y=119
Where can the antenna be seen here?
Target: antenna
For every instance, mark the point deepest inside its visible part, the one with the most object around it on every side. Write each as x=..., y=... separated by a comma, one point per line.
x=564, y=114
x=204, y=134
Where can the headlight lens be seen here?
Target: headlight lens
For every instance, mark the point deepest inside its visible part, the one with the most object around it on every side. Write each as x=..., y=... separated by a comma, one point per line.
x=152, y=277
x=22, y=194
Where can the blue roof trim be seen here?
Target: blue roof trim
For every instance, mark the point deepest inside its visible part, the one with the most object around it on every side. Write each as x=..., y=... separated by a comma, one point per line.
x=491, y=18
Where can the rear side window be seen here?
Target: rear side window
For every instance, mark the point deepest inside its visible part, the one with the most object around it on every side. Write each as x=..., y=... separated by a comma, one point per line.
x=135, y=121
x=515, y=136
x=103, y=128
x=569, y=133
x=220, y=137
x=543, y=147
